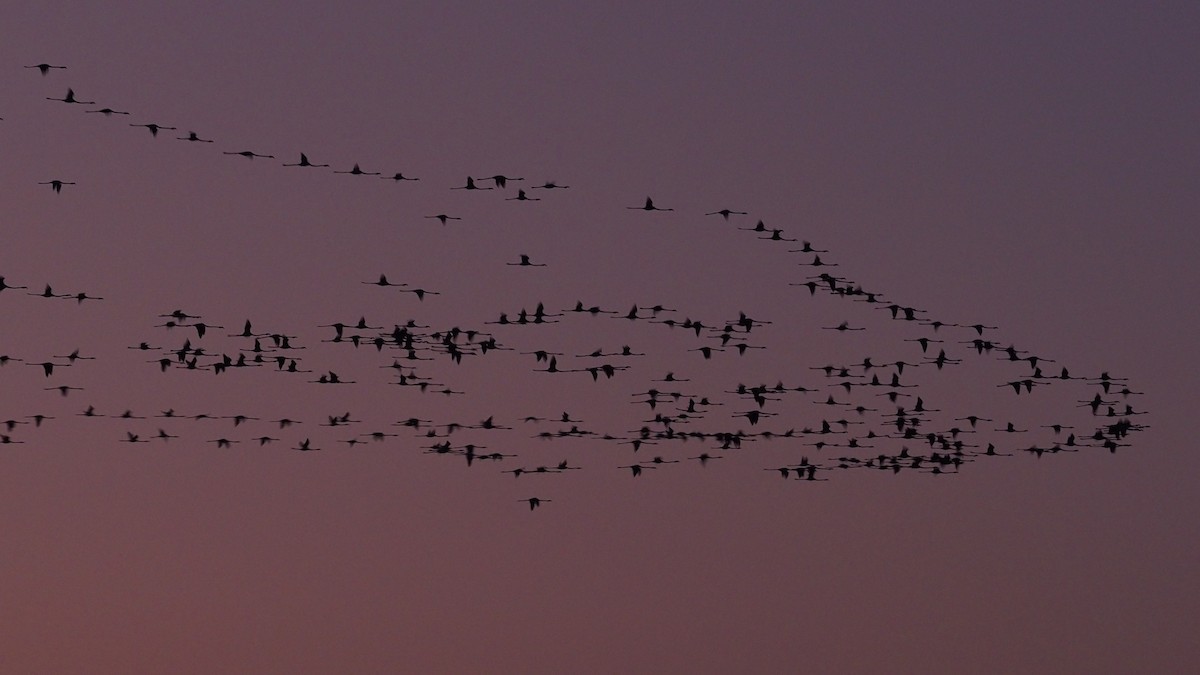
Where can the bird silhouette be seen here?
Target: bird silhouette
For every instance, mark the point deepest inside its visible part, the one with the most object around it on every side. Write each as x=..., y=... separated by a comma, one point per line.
x=522, y=197
x=80, y=297
x=382, y=281
x=48, y=292
x=5, y=285
x=75, y=356
x=154, y=128
x=636, y=469
x=470, y=185
x=356, y=171
x=648, y=206
x=524, y=262
x=304, y=162
x=45, y=68
x=249, y=154
x=776, y=235
x=842, y=327
x=501, y=180
x=725, y=213
x=108, y=112
x=70, y=98
x=56, y=185
x=535, y=502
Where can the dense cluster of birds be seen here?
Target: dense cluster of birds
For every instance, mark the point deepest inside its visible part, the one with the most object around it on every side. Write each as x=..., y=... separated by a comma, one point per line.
x=863, y=413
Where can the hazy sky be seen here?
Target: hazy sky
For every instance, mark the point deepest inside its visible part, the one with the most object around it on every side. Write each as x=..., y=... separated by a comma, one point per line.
x=1031, y=168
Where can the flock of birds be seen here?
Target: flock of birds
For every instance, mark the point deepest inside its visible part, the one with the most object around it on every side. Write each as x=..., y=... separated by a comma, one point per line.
x=860, y=413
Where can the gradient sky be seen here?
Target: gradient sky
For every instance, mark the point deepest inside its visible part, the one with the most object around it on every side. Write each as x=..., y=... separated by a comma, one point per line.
x=1029, y=167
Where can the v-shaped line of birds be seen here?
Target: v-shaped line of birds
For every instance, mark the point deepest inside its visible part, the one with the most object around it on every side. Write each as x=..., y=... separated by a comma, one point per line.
x=883, y=444
x=499, y=181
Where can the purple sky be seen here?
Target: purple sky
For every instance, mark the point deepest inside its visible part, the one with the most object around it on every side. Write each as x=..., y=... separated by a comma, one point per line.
x=1028, y=168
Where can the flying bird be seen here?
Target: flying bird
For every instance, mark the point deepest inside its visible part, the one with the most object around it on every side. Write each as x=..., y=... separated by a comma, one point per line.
x=524, y=262
x=648, y=206
x=356, y=171
x=154, y=128
x=304, y=162
x=56, y=185
x=249, y=154
x=45, y=68
x=470, y=185
x=70, y=98
x=725, y=213
x=108, y=112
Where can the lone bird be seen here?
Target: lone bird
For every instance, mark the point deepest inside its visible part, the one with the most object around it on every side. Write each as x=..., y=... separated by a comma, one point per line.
x=470, y=185
x=70, y=98
x=45, y=68
x=534, y=502
x=194, y=138
x=108, y=112
x=249, y=154
x=526, y=263
x=501, y=180
x=725, y=213
x=383, y=281
x=56, y=185
x=154, y=128
x=304, y=162
x=648, y=206
x=356, y=171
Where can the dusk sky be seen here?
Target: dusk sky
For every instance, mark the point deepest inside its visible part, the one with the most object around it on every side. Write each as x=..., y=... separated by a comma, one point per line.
x=1031, y=169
